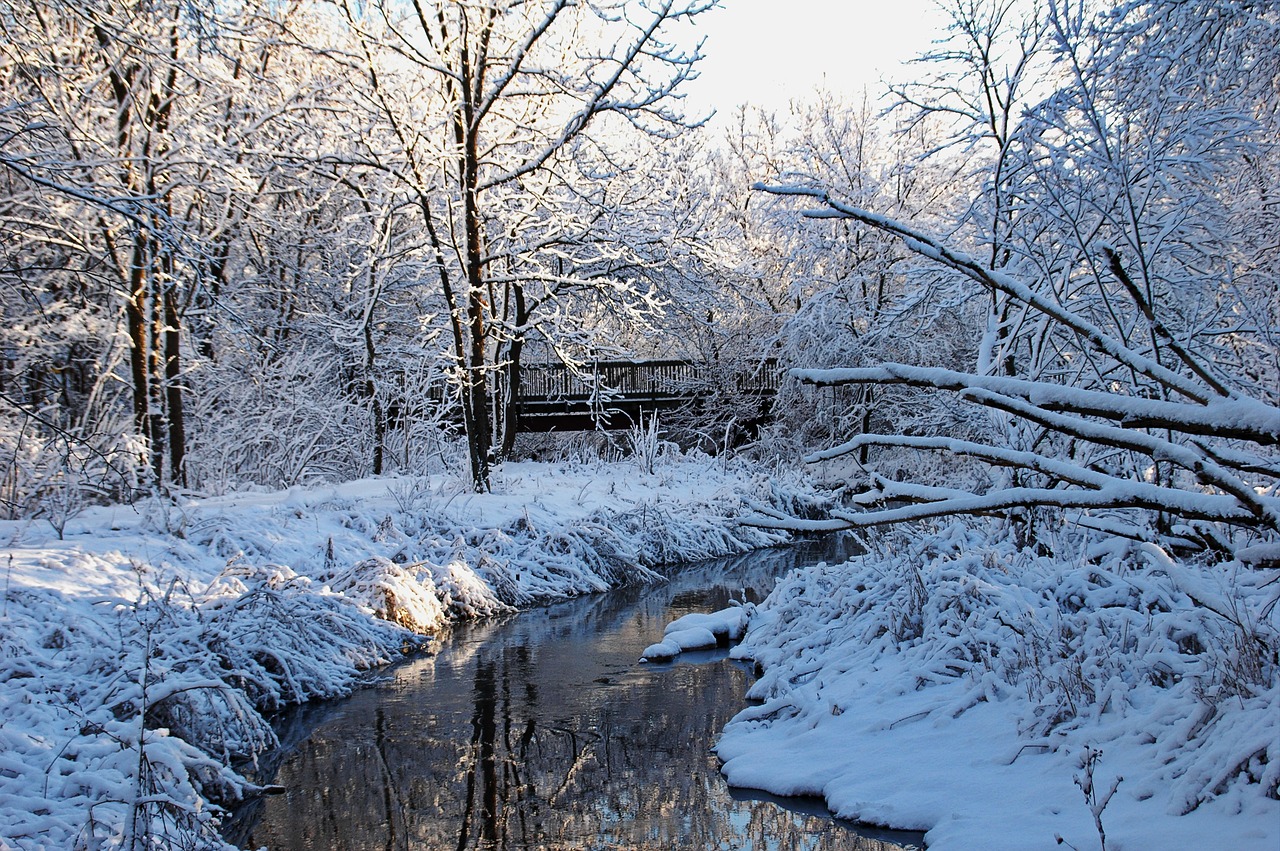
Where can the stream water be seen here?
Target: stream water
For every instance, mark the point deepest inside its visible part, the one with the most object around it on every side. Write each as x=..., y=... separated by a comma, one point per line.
x=542, y=731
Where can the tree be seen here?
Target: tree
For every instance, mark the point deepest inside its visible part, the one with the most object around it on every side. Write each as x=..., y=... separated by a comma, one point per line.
x=134, y=167
x=1122, y=288
x=504, y=115
x=988, y=66
x=99, y=91
x=832, y=292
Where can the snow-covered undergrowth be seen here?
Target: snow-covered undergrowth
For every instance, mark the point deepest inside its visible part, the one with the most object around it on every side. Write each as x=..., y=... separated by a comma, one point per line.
x=142, y=653
x=958, y=685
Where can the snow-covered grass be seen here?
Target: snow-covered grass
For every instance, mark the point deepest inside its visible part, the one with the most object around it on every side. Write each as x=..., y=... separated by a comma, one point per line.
x=142, y=650
x=955, y=684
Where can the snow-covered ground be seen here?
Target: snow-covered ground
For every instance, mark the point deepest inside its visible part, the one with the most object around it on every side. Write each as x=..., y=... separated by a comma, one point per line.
x=140, y=653
x=953, y=684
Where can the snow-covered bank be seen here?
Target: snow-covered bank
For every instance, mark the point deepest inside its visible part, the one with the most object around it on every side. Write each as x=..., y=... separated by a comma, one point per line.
x=956, y=685
x=140, y=653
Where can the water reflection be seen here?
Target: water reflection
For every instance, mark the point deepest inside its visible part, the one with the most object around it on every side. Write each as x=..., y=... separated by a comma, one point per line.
x=542, y=732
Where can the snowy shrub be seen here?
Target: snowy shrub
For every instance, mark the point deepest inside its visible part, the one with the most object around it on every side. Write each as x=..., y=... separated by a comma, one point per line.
x=143, y=703
x=411, y=494
x=659, y=538
x=105, y=684
x=56, y=474
x=403, y=595
x=575, y=449
x=528, y=560
x=282, y=641
x=468, y=593
x=645, y=446
x=784, y=491
x=424, y=447
x=291, y=424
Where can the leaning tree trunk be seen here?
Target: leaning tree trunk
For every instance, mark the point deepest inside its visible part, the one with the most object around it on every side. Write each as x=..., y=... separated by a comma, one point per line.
x=173, y=388
x=509, y=427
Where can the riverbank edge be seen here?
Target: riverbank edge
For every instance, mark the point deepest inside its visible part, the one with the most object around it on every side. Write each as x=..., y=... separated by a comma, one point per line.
x=144, y=651
x=952, y=682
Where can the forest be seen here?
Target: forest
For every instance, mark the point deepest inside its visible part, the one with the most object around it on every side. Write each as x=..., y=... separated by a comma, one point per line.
x=1025, y=307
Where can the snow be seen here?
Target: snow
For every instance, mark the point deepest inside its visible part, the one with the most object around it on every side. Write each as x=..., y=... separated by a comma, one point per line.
x=953, y=684
x=141, y=653
x=698, y=631
x=946, y=682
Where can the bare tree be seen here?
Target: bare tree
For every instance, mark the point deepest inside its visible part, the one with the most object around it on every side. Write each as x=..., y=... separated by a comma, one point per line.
x=833, y=291
x=502, y=113
x=988, y=68
x=134, y=170
x=102, y=169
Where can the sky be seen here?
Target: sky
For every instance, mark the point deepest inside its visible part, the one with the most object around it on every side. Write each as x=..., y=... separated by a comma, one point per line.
x=766, y=52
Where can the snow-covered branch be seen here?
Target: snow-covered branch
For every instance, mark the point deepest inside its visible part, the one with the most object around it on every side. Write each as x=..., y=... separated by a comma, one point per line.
x=997, y=280
x=1210, y=423
x=1236, y=418
x=1123, y=495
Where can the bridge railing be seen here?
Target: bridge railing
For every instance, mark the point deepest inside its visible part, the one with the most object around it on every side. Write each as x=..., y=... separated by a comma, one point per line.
x=664, y=379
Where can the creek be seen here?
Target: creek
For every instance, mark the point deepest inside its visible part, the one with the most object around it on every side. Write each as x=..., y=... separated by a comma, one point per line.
x=543, y=731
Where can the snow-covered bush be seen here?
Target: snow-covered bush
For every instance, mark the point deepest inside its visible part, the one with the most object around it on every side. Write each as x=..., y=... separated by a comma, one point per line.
x=135, y=708
x=273, y=421
x=403, y=595
x=282, y=640
x=645, y=445
x=575, y=449
x=53, y=473
x=657, y=540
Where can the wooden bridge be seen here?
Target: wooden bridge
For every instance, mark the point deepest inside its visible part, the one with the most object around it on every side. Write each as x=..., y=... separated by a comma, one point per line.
x=618, y=394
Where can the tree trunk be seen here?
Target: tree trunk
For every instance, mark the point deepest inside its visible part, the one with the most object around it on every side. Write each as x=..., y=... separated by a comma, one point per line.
x=173, y=388
x=370, y=390
x=479, y=437
x=139, y=348
x=510, y=425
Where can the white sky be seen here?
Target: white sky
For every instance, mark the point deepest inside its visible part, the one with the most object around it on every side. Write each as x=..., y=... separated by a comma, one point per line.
x=767, y=52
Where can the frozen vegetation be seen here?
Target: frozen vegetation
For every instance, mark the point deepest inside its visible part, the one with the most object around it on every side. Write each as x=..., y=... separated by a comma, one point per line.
x=143, y=652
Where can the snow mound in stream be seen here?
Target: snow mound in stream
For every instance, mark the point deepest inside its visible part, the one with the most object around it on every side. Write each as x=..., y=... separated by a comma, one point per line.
x=699, y=631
